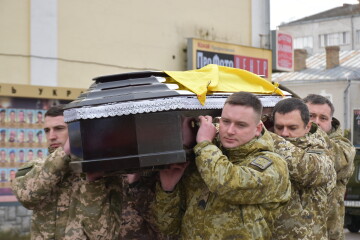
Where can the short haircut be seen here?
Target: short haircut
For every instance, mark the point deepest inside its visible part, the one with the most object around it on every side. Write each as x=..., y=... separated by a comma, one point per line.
x=291, y=104
x=318, y=99
x=246, y=99
x=55, y=111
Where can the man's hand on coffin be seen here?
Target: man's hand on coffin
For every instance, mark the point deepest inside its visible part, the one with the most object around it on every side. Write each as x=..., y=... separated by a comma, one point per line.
x=67, y=147
x=94, y=176
x=207, y=130
x=170, y=176
x=134, y=177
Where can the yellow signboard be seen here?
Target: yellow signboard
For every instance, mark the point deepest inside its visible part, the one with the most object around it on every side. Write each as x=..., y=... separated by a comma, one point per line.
x=30, y=91
x=203, y=52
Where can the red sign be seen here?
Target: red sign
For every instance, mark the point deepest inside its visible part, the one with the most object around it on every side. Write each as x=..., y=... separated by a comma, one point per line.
x=284, y=52
x=255, y=65
x=259, y=66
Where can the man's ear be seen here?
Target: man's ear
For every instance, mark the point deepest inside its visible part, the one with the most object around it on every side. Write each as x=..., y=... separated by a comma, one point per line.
x=259, y=129
x=308, y=126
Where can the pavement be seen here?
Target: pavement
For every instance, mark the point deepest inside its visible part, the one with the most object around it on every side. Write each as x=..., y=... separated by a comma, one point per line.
x=351, y=236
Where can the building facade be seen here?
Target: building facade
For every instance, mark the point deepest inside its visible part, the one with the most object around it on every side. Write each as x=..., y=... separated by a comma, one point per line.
x=335, y=27
x=67, y=43
x=334, y=74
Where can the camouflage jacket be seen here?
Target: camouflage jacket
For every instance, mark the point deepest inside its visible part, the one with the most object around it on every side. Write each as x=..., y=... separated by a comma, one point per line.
x=137, y=218
x=313, y=178
x=231, y=196
x=343, y=153
x=65, y=205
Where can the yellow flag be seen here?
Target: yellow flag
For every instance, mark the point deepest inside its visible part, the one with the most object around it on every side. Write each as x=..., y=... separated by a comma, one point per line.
x=214, y=78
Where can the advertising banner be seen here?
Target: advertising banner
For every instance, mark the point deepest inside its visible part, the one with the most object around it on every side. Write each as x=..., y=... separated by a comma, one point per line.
x=203, y=52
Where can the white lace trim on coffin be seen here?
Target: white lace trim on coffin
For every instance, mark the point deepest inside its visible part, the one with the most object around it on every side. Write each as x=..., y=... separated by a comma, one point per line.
x=153, y=105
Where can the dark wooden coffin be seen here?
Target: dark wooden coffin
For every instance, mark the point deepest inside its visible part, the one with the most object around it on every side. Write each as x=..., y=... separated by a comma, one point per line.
x=110, y=141
x=134, y=121
x=131, y=142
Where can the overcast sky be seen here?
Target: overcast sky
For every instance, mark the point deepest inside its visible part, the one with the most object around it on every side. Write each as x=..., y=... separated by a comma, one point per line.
x=290, y=10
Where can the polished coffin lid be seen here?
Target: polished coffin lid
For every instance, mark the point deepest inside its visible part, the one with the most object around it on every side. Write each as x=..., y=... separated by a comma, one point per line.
x=137, y=120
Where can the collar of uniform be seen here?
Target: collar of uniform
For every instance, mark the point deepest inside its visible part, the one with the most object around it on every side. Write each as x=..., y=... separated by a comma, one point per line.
x=262, y=143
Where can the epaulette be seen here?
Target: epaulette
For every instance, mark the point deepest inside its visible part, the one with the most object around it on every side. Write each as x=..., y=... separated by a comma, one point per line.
x=262, y=162
x=24, y=170
x=316, y=151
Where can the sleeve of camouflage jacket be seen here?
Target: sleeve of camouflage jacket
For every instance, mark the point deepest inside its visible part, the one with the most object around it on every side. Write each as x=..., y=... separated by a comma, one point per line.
x=344, y=153
x=39, y=178
x=242, y=184
x=137, y=216
x=167, y=210
x=95, y=210
x=309, y=166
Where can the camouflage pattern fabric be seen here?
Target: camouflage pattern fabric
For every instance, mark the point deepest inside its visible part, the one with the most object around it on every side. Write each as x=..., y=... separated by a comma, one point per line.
x=95, y=210
x=343, y=153
x=313, y=178
x=58, y=197
x=231, y=196
x=138, y=220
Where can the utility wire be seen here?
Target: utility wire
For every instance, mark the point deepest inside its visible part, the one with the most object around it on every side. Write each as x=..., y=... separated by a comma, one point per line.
x=75, y=61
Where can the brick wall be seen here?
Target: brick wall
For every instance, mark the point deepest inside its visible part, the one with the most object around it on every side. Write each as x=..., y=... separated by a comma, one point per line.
x=15, y=218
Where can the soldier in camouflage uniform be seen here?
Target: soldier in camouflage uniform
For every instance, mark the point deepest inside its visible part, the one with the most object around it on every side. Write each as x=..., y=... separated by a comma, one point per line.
x=137, y=218
x=65, y=205
x=343, y=154
x=311, y=171
x=234, y=191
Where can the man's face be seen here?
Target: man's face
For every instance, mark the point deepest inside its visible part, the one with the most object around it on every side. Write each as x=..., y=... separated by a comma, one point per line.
x=39, y=154
x=39, y=117
x=3, y=135
x=12, y=136
x=30, y=136
x=40, y=137
x=238, y=125
x=21, y=136
x=3, y=175
x=21, y=156
x=12, y=116
x=21, y=116
x=290, y=125
x=12, y=175
x=56, y=131
x=30, y=155
x=321, y=115
x=12, y=156
x=2, y=116
x=30, y=117
x=3, y=155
